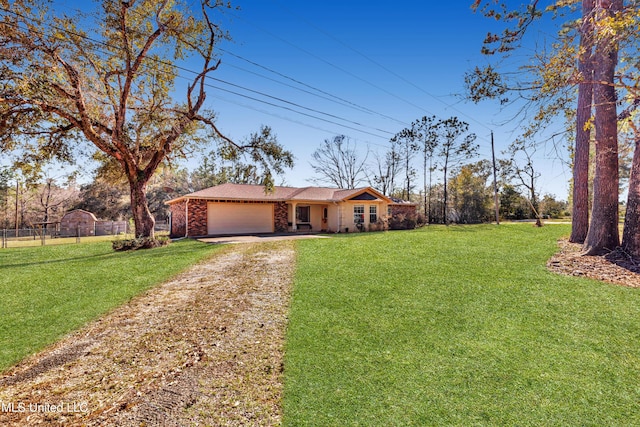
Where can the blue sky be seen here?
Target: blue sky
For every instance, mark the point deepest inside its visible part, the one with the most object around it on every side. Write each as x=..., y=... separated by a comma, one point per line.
x=400, y=61
x=377, y=67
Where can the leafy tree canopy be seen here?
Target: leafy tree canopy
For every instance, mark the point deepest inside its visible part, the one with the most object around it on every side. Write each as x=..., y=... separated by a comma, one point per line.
x=62, y=86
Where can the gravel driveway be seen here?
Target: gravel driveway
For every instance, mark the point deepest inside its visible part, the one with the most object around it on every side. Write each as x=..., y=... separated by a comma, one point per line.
x=205, y=348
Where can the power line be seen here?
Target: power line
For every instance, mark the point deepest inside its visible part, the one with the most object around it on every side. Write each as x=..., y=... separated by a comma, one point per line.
x=289, y=119
x=291, y=109
x=182, y=68
x=330, y=97
x=347, y=72
x=320, y=93
x=378, y=64
x=383, y=67
x=291, y=103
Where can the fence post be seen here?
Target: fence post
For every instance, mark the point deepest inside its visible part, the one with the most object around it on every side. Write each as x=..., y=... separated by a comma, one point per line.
x=77, y=233
x=4, y=238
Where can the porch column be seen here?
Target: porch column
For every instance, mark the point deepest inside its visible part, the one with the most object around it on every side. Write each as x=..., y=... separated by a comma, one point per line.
x=294, y=227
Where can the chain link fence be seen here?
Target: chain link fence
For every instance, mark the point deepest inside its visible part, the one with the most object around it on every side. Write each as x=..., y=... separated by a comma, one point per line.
x=51, y=235
x=54, y=234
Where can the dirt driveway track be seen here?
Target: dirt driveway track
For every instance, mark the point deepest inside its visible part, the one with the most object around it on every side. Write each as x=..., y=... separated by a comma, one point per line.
x=202, y=349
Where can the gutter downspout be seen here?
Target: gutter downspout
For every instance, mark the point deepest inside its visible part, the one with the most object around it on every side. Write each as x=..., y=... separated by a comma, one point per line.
x=186, y=218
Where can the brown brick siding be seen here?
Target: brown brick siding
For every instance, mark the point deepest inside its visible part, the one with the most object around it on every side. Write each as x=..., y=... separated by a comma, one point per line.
x=197, y=211
x=280, y=217
x=178, y=221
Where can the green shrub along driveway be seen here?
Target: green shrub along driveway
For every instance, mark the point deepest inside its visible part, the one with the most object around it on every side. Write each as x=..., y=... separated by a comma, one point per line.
x=457, y=326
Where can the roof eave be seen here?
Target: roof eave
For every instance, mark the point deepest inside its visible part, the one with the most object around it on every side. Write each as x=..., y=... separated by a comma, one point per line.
x=233, y=199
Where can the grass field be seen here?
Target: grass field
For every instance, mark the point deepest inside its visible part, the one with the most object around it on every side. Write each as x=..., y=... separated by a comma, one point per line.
x=49, y=291
x=457, y=326
x=439, y=326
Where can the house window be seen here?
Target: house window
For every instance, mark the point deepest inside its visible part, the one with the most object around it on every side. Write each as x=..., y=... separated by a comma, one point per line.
x=303, y=213
x=373, y=214
x=358, y=214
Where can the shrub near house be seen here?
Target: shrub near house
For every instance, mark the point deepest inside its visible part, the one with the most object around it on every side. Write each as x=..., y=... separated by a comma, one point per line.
x=403, y=215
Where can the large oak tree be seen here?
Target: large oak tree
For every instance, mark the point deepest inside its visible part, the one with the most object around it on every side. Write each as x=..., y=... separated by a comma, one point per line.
x=111, y=78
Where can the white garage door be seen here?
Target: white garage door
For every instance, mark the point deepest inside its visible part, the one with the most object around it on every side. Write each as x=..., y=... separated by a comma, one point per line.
x=239, y=218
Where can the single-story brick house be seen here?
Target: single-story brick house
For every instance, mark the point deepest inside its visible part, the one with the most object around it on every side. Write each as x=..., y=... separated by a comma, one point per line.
x=246, y=209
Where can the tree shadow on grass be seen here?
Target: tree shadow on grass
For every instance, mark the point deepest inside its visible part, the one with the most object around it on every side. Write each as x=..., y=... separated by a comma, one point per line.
x=175, y=251
x=54, y=261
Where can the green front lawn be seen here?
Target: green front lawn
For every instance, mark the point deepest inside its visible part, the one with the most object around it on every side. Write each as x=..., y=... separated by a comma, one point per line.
x=49, y=291
x=457, y=326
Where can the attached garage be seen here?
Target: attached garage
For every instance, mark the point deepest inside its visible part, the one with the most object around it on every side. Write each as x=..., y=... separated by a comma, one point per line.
x=239, y=218
x=229, y=209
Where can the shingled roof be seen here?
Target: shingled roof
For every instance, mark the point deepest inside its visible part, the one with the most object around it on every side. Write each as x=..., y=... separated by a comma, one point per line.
x=258, y=193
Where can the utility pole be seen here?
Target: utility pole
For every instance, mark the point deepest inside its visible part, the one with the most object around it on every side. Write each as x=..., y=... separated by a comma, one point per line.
x=430, y=186
x=17, y=194
x=495, y=182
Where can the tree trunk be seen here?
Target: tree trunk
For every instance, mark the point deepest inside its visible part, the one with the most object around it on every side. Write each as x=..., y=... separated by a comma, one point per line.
x=580, y=214
x=631, y=233
x=142, y=218
x=535, y=208
x=603, y=235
